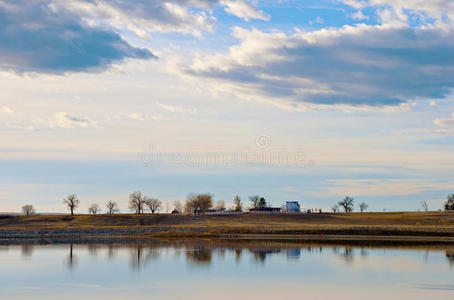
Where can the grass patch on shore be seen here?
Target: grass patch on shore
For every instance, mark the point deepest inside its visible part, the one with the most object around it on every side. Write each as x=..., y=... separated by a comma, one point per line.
x=383, y=224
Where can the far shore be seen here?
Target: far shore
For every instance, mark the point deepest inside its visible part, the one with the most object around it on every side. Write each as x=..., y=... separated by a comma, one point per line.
x=419, y=227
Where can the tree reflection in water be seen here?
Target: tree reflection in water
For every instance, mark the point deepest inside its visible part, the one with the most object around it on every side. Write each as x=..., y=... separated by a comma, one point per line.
x=238, y=253
x=93, y=249
x=450, y=257
x=71, y=260
x=27, y=250
x=260, y=255
x=202, y=253
x=346, y=253
x=199, y=255
x=364, y=253
x=111, y=252
x=142, y=255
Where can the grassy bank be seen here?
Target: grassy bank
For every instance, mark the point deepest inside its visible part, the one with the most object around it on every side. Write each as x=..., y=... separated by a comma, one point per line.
x=396, y=224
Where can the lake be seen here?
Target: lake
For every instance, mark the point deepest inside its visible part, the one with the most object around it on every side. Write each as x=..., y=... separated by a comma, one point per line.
x=224, y=269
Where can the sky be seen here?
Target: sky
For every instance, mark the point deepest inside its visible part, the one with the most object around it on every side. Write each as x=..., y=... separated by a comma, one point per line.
x=305, y=101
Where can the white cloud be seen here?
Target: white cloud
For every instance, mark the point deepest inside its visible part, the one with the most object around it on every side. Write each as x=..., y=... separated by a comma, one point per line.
x=148, y=16
x=442, y=131
x=318, y=20
x=359, y=16
x=60, y=120
x=177, y=109
x=7, y=110
x=445, y=122
x=65, y=121
x=403, y=9
x=243, y=10
x=354, y=65
x=142, y=118
x=21, y=127
x=144, y=17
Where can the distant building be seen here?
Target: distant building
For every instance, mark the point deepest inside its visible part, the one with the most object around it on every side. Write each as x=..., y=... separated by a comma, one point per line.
x=266, y=209
x=215, y=211
x=292, y=206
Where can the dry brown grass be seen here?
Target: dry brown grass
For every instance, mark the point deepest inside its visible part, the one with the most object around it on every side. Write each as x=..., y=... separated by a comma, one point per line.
x=383, y=224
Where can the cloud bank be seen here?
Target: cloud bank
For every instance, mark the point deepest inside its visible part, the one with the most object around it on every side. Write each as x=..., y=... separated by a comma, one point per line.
x=36, y=37
x=353, y=65
x=58, y=36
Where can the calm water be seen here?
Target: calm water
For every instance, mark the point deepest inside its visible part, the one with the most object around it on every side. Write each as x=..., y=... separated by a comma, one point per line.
x=225, y=270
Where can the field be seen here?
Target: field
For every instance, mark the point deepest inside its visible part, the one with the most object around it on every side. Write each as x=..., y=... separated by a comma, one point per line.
x=387, y=225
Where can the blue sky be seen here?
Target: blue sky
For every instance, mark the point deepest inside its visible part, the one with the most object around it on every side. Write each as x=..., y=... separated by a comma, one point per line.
x=293, y=100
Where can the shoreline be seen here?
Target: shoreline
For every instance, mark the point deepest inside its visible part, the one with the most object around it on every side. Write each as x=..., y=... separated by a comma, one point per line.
x=418, y=239
x=287, y=241
x=404, y=226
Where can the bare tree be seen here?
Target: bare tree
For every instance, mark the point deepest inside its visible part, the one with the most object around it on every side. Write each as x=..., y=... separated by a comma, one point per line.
x=153, y=204
x=198, y=204
x=238, y=204
x=255, y=199
x=220, y=205
x=449, y=204
x=72, y=202
x=112, y=207
x=424, y=205
x=363, y=206
x=335, y=208
x=347, y=204
x=28, y=209
x=94, y=209
x=136, y=202
x=178, y=206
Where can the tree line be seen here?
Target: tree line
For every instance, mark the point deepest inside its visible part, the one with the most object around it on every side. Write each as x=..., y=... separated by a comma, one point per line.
x=198, y=204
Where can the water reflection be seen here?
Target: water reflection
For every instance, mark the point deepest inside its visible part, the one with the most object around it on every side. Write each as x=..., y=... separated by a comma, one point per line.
x=450, y=257
x=293, y=253
x=93, y=249
x=244, y=269
x=111, y=252
x=199, y=255
x=202, y=252
x=141, y=255
x=27, y=250
x=71, y=260
x=346, y=254
x=261, y=254
x=238, y=252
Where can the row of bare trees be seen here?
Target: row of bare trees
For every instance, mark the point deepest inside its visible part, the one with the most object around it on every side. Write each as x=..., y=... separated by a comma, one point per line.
x=347, y=204
x=137, y=203
x=72, y=202
x=199, y=203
